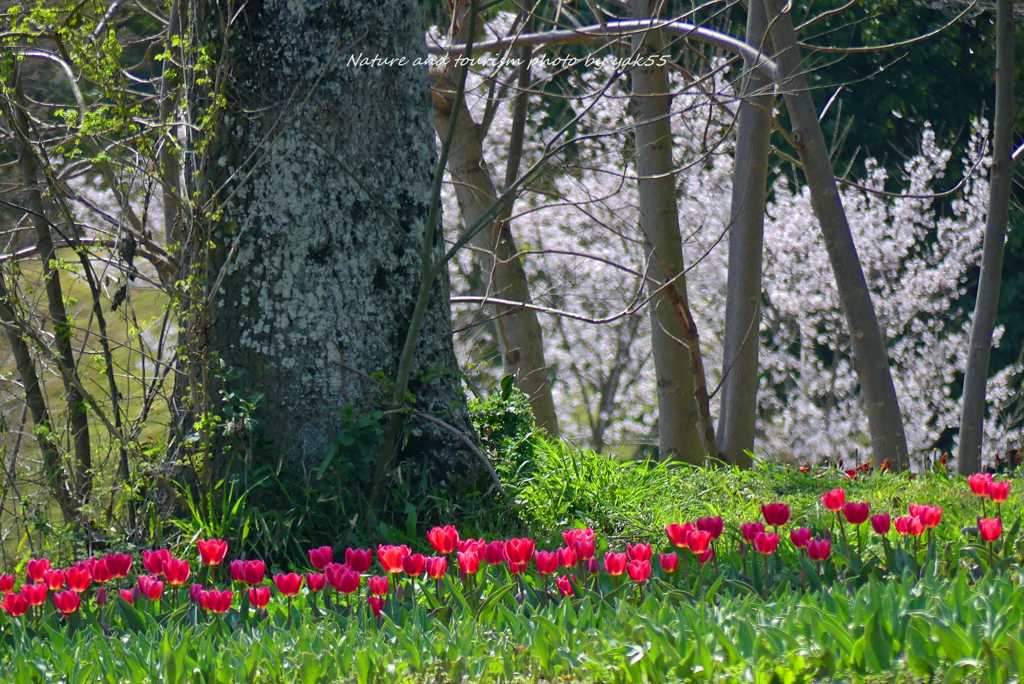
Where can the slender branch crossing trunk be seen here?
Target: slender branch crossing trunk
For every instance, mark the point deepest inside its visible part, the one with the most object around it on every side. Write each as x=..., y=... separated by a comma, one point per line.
x=62, y=333
x=972, y=416
x=53, y=470
x=738, y=414
x=520, y=339
x=871, y=362
x=650, y=106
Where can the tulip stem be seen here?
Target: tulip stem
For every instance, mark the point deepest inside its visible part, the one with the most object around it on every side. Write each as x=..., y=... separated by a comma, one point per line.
x=700, y=579
x=766, y=578
x=714, y=555
x=991, y=558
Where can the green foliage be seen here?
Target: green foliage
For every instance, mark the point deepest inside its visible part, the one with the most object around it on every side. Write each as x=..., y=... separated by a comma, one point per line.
x=902, y=631
x=504, y=424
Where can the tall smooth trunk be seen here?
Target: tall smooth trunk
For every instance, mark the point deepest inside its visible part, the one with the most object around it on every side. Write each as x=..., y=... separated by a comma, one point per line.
x=63, y=336
x=520, y=339
x=650, y=106
x=972, y=415
x=738, y=413
x=870, y=359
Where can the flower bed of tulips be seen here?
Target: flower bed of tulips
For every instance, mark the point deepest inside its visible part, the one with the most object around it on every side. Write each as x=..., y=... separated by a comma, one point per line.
x=772, y=595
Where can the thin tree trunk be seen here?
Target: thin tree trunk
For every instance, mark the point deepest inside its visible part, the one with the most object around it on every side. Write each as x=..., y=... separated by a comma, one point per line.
x=170, y=167
x=520, y=339
x=62, y=333
x=678, y=437
x=888, y=441
x=53, y=470
x=738, y=413
x=972, y=416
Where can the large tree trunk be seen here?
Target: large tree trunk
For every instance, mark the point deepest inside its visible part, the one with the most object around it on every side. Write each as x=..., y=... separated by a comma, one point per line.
x=870, y=359
x=972, y=416
x=520, y=340
x=738, y=414
x=650, y=106
x=322, y=173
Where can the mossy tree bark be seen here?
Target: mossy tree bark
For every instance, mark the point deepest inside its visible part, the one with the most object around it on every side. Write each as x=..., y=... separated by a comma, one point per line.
x=314, y=177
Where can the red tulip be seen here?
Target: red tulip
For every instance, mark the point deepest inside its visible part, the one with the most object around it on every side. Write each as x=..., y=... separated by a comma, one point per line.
x=979, y=483
x=321, y=557
x=469, y=562
x=564, y=585
x=639, y=552
x=567, y=557
x=472, y=546
x=698, y=541
x=679, y=534
x=414, y=564
x=594, y=566
x=390, y=557
x=99, y=570
x=851, y=474
x=751, y=530
x=358, y=559
x=576, y=536
x=494, y=553
x=67, y=602
x=856, y=513
x=250, y=572
x=800, y=536
x=77, y=579
x=931, y=516
x=639, y=570
x=120, y=564
x=217, y=602
x=379, y=585
x=37, y=568
x=177, y=571
x=444, y=539
x=195, y=592
x=881, y=523
x=706, y=556
x=615, y=563
x=53, y=579
x=130, y=595
x=776, y=514
x=519, y=551
x=547, y=563
x=259, y=597
x=834, y=500
x=766, y=543
x=35, y=594
x=346, y=581
x=437, y=566
x=316, y=581
x=819, y=549
x=713, y=525
x=990, y=529
x=6, y=583
x=584, y=546
x=150, y=587
x=669, y=562
x=999, y=491
x=376, y=605
x=917, y=510
x=212, y=551
x=154, y=561
x=288, y=585
x=101, y=597
x=909, y=525
x=15, y=605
